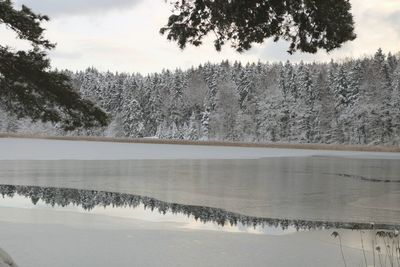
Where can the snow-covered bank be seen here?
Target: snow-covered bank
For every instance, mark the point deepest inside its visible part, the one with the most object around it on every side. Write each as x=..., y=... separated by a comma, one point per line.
x=42, y=149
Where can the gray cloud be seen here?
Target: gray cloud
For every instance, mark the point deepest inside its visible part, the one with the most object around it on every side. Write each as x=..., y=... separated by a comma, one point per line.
x=394, y=20
x=277, y=51
x=389, y=19
x=54, y=8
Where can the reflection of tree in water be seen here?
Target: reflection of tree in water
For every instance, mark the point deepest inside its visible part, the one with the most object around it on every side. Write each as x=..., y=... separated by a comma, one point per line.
x=88, y=199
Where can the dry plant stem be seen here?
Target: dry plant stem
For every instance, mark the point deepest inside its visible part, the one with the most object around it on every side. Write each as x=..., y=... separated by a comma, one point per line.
x=362, y=245
x=386, y=241
x=398, y=250
x=380, y=258
x=341, y=250
x=373, y=252
x=392, y=251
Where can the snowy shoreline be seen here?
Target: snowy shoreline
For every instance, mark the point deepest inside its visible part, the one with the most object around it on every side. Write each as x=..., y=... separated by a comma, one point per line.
x=151, y=140
x=48, y=149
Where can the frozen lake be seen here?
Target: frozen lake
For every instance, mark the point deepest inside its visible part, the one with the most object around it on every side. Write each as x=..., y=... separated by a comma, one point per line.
x=310, y=188
x=47, y=226
x=252, y=205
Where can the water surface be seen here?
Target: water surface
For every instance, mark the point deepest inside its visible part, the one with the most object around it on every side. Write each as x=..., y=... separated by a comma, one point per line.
x=314, y=188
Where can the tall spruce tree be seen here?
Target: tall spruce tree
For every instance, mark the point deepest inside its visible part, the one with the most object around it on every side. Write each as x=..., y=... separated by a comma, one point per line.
x=395, y=103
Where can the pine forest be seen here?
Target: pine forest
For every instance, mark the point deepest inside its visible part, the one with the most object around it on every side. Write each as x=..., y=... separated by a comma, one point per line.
x=354, y=101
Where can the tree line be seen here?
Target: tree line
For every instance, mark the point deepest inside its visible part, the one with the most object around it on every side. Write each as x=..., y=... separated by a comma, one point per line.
x=355, y=101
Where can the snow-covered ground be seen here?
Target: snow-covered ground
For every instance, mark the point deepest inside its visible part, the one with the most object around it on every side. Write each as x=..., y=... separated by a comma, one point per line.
x=37, y=149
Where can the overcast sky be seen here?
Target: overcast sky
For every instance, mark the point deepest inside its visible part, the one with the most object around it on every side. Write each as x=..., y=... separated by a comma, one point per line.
x=123, y=35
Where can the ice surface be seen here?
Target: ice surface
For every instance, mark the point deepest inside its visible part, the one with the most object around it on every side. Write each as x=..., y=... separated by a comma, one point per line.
x=277, y=183
x=310, y=188
x=37, y=149
x=50, y=238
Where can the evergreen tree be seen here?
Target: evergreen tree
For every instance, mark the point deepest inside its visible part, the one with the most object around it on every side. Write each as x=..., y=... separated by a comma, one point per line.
x=270, y=129
x=28, y=88
x=205, y=123
x=211, y=73
x=355, y=80
x=395, y=106
x=325, y=109
x=289, y=93
x=341, y=89
x=131, y=112
x=307, y=25
x=379, y=94
x=191, y=130
x=132, y=119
